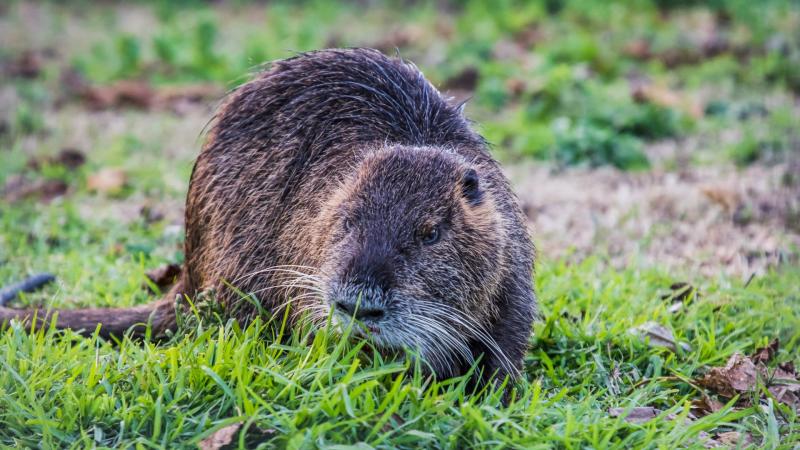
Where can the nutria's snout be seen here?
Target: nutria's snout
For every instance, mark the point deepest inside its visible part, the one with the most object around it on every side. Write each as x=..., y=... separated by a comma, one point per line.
x=363, y=291
x=367, y=305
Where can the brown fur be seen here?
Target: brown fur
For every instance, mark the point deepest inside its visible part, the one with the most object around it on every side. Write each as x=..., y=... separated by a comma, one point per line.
x=323, y=183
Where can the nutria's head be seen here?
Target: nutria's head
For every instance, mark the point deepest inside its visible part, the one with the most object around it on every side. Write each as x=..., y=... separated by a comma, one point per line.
x=414, y=253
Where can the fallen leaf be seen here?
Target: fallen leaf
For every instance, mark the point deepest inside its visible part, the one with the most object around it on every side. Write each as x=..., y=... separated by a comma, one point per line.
x=140, y=94
x=785, y=385
x=466, y=80
x=639, y=414
x=738, y=376
x=679, y=292
x=220, y=438
x=667, y=98
x=18, y=187
x=68, y=157
x=638, y=49
x=732, y=439
x=398, y=38
x=764, y=355
x=122, y=93
x=27, y=65
x=107, y=181
x=151, y=213
x=164, y=276
x=659, y=336
x=729, y=199
x=706, y=405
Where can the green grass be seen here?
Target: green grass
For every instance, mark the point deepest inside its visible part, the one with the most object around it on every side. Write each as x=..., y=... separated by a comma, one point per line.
x=65, y=391
x=60, y=390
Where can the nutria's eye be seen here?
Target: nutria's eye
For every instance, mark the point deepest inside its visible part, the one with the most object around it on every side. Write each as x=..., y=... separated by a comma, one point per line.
x=347, y=225
x=430, y=235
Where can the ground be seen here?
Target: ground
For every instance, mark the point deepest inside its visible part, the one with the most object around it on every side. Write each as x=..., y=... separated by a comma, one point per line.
x=654, y=149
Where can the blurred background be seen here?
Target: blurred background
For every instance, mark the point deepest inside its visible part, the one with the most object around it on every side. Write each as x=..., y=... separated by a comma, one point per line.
x=649, y=132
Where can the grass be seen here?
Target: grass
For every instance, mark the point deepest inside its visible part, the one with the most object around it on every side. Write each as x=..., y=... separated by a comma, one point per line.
x=564, y=98
x=65, y=391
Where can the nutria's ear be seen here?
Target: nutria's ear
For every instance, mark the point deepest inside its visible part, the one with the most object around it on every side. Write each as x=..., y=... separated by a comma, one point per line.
x=471, y=187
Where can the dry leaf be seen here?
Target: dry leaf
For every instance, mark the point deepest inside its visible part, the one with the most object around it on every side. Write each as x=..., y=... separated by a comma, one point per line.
x=68, y=157
x=785, y=385
x=639, y=414
x=27, y=65
x=164, y=276
x=18, y=187
x=151, y=213
x=466, y=80
x=738, y=376
x=107, y=181
x=679, y=292
x=764, y=355
x=662, y=96
x=140, y=94
x=706, y=405
x=659, y=336
x=732, y=439
x=121, y=93
x=398, y=38
x=638, y=49
x=729, y=199
x=220, y=438
x=741, y=373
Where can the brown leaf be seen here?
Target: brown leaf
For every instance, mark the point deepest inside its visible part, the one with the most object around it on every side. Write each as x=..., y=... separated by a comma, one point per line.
x=788, y=367
x=764, y=355
x=786, y=394
x=667, y=98
x=140, y=94
x=706, y=405
x=122, y=93
x=399, y=38
x=68, y=157
x=27, y=65
x=220, y=438
x=738, y=376
x=727, y=198
x=639, y=414
x=732, y=439
x=659, y=336
x=151, y=213
x=637, y=49
x=107, y=181
x=18, y=187
x=466, y=80
x=679, y=292
x=164, y=276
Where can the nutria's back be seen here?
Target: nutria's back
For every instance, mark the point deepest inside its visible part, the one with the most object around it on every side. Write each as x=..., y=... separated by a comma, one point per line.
x=284, y=163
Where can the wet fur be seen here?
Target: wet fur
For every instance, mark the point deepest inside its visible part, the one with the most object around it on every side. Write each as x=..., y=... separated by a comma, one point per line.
x=309, y=135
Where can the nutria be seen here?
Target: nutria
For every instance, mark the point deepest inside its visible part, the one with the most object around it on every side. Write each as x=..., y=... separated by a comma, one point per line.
x=342, y=179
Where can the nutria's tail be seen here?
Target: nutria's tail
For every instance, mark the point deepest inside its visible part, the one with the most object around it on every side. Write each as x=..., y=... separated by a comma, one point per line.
x=116, y=322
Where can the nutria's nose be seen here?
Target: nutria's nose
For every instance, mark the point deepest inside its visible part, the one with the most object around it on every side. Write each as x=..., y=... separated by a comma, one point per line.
x=362, y=312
